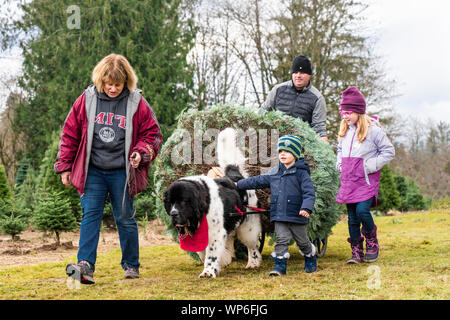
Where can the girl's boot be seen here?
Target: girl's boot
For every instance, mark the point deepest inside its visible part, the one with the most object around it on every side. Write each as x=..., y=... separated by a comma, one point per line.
x=372, y=246
x=357, y=250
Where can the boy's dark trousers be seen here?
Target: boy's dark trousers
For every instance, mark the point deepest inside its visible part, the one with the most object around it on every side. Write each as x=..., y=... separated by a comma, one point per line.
x=285, y=231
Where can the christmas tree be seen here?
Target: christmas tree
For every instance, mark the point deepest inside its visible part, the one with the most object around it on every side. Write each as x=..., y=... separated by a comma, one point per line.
x=5, y=188
x=190, y=151
x=13, y=225
x=388, y=195
x=53, y=213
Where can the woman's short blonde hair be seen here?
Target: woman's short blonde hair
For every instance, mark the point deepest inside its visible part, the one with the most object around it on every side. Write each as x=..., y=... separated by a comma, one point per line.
x=114, y=68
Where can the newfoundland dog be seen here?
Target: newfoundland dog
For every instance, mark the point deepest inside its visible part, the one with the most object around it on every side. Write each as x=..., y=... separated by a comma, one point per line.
x=188, y=200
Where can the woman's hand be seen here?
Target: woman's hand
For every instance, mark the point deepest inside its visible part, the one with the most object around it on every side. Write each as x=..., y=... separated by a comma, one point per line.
x=65, y=178
x=135, y=159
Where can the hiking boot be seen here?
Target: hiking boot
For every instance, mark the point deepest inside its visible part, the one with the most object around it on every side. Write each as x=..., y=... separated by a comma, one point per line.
x=372, y=246
x=131, y=273
x=357, y=250
x=81, y=271
x=280, y=266
x=310, y=264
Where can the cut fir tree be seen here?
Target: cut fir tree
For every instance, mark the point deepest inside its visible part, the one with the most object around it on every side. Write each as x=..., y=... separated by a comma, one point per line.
x=190, y=150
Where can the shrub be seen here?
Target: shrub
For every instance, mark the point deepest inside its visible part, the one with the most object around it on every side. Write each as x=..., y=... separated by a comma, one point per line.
x=410, y=196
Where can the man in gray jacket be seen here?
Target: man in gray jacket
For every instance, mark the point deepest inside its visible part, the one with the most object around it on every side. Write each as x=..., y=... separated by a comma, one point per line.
x=299, y=98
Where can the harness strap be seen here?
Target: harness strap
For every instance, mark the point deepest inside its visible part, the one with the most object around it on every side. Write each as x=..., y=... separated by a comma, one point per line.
x=241, y=213
x=256, y=209
x=239, y=210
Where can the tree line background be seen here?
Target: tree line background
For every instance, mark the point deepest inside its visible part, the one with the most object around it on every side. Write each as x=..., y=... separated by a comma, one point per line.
x=191, y=54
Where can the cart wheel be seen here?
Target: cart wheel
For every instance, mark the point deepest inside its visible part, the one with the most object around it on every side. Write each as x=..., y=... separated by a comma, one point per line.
x=321, y=246
x=261, y=239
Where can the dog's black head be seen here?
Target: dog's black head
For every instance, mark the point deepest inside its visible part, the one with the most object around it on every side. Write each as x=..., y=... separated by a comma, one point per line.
x=185, y=202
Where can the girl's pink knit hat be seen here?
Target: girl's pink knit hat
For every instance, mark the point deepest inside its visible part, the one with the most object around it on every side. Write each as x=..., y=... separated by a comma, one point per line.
x=353, y=100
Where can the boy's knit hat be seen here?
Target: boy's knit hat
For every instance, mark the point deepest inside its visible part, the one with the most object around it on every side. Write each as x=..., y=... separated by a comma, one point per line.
x=291, y=143
x=353, y=100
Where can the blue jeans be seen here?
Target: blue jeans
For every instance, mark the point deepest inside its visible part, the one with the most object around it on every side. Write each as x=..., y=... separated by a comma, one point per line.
x=359, y=214
x=98, y=184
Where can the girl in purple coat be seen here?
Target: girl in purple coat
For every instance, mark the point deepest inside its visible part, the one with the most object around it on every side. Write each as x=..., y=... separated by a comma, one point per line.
x=363, y=150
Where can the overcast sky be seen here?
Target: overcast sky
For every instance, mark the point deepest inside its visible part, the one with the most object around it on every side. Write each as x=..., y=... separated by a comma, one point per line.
x=414, y=42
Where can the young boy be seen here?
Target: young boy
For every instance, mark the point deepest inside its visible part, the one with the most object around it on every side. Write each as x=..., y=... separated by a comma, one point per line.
x=292, y=201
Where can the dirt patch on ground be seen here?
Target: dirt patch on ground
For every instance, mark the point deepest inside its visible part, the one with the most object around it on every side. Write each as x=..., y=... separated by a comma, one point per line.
x=35, y=247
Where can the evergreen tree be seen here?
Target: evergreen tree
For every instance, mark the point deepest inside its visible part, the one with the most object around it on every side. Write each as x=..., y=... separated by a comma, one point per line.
x=414, y=198
x=13, y=225
x=5, y=188
x=53, y=213
x=410, y=195
x=22, y=171
x=64, y=42
x=12, y=220
x=47, y=179
x=402, y=188
x=319, y=156
x=25, y=195
x=388, y=197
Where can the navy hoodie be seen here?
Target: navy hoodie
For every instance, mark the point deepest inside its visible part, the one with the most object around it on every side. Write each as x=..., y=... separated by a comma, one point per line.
x=291, y=191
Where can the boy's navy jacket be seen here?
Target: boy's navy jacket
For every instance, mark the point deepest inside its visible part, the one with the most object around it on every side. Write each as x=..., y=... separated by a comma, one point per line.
x=291, y=191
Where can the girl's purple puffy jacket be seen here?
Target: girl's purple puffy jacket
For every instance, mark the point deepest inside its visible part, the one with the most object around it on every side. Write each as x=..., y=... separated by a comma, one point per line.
x=360, y=164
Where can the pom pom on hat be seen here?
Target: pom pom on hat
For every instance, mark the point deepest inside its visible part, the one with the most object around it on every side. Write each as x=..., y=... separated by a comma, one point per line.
x=353, y=100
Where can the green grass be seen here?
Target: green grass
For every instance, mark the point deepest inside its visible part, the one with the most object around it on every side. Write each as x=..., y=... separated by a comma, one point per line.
x=414, y=264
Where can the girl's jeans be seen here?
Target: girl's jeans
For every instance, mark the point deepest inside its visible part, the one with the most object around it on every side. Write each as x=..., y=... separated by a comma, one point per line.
x=359, y=213
x=98, y=184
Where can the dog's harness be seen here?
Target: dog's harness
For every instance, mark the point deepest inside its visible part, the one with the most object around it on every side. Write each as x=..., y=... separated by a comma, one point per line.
x=241, y=213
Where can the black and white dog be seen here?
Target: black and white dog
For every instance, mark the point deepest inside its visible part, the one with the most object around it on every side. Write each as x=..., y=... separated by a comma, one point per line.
x=188, y=198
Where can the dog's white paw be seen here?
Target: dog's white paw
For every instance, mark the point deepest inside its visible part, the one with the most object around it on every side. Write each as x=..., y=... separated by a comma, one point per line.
x=254, y=261
x=207, y=274
x=252, y=265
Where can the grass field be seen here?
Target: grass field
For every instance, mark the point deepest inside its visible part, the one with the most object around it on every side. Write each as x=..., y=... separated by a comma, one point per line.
x=414, y=264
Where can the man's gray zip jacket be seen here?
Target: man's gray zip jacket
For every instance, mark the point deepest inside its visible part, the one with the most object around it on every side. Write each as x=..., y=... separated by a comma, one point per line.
x=307, y=104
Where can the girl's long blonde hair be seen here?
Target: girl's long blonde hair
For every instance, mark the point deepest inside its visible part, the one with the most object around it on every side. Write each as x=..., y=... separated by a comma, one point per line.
x=115, y=68
x=363, y=126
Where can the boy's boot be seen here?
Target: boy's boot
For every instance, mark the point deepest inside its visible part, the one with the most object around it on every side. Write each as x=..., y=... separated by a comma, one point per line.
x=279, y=269
x=81, y=271
x=357, y=250
x=310, y=264
x=372, y=246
